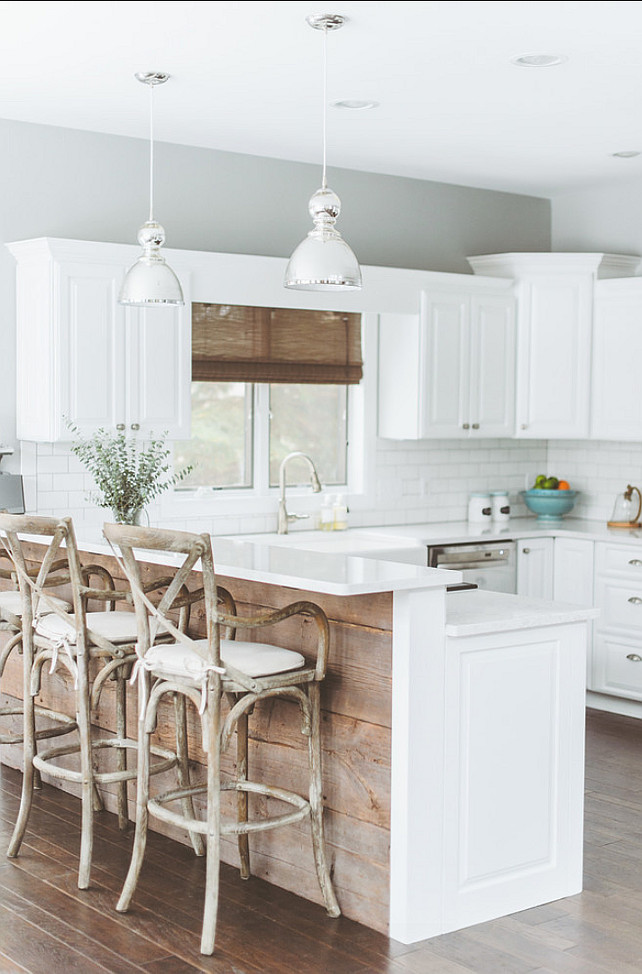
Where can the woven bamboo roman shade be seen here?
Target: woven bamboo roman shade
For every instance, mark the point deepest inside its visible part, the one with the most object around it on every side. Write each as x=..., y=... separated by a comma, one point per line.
x=231, y=343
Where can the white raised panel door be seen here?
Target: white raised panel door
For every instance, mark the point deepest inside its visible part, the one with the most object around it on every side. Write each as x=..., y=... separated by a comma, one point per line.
x=91, y=349
x=492, y=374
x=535, y=567
x=446, y=319
x=158, y=365
x=616, y=403
x=573, y=571
x=554, y=355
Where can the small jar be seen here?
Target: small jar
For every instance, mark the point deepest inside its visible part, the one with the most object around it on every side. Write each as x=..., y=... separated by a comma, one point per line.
x=479, y=508
x=500, y=505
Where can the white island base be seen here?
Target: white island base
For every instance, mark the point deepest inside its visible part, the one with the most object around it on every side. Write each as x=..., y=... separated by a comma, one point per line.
x=488, y=770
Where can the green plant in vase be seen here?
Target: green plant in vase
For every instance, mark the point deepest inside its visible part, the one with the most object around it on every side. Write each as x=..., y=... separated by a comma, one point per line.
x=128, y=473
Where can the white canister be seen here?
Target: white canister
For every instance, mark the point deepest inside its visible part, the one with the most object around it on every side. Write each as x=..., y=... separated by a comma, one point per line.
x=500, y=505
x=479, y=507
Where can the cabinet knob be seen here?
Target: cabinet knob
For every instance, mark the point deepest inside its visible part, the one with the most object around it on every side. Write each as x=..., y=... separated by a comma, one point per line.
x=635, y=562
x=475, y=426
x=465, y=426
x=526, y=551
x=120, y=426
x=634, y=600
x=135, y=426
x=634, y=658
x=524, y=426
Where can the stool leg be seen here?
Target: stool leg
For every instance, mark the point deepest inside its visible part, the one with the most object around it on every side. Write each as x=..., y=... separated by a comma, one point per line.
x=86, y=766
x=242, y=796
x=210, y=724
x=142, y=814
x=182, y=767
x=121, y=733
x=316, y=803
x=28, y=751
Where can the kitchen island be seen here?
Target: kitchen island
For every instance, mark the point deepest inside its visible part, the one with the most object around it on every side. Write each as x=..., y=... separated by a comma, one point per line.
x=452, y=739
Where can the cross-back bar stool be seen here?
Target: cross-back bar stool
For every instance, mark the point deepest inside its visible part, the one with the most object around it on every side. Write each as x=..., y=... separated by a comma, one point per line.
x=89, y=648
x=11, y=622
x=203, y=670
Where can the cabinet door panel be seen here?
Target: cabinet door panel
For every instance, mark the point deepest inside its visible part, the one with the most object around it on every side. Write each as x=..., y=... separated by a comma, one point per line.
x=617, y=666
x=573, y=574
x=535, y=567
x=492, y=381
x=554, y=357
x=92, y=383
x=617, y=349
x=447, y=364
x=160, y=357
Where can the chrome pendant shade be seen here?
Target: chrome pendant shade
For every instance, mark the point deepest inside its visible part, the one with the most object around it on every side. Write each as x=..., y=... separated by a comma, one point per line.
x=323, y=261
x=151, y=282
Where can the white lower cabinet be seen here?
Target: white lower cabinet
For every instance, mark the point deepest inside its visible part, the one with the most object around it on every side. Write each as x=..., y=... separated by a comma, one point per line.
x=514, y=752
x=535, y=559
x=617, y=649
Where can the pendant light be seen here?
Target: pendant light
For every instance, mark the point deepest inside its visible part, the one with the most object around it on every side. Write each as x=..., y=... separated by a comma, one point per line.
x=151, y=281
x=323, y=261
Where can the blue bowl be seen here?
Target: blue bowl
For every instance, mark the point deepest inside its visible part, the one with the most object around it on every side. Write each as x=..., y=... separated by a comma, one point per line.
x=549, y=505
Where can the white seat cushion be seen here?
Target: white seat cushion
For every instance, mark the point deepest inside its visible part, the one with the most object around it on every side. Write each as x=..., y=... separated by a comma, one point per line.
x=12, y=602
x=253, y=659
x=118, y=627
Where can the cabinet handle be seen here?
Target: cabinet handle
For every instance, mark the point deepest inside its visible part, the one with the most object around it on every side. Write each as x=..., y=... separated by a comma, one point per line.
x=475, y=426
x=135, y=426
x=634, y=658
x=634, y=600
x=465, y=426
x=524, y=426
x=120, y=426
x=636, y=562
x=526, y=551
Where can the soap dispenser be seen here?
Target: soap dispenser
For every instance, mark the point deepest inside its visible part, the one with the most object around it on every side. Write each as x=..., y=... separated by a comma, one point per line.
x=626, y=511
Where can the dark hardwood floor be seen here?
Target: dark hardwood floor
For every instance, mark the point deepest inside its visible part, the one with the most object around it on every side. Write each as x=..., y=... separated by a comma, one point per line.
x=48, y=926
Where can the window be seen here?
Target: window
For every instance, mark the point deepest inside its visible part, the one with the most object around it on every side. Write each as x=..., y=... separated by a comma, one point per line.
x=242, y=430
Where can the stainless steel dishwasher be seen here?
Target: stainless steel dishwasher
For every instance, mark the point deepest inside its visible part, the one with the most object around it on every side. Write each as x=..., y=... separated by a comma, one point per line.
x=491, y=565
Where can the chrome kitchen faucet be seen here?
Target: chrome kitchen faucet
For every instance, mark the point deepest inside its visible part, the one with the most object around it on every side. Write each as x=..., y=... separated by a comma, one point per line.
x=284, y=518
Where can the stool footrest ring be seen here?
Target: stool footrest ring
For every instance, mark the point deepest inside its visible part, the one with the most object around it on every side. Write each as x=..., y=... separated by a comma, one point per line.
x=157, y=808
x=44, y=761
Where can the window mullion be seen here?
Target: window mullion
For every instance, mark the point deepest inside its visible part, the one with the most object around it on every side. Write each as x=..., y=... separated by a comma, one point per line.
x=261, y=437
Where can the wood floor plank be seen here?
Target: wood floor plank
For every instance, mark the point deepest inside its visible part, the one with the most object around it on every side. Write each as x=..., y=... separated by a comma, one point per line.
x=48, y=925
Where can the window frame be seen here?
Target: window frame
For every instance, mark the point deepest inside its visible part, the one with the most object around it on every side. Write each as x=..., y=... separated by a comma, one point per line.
x=261, y=499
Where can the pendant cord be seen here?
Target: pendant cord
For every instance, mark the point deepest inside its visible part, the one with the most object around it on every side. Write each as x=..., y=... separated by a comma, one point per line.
x=151, y=153
x=324, y=182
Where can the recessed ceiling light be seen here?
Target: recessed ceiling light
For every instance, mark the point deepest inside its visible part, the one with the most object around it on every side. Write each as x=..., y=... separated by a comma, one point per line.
x=629, y=154
x=538, y=60
x=355, y=104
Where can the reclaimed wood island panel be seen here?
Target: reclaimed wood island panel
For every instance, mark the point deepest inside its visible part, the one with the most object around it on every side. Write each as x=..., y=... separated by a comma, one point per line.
x=356, y=740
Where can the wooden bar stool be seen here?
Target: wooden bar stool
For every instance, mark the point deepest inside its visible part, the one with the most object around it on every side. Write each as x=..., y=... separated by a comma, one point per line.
x=90, y=648
x=203, y=670
x=11, y=622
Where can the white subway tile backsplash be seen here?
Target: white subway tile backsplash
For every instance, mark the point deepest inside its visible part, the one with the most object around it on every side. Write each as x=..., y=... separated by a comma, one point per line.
x=50, y=464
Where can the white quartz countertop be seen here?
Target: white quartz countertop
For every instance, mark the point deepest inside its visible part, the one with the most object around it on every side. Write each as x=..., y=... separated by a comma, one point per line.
x=377, y=541
x=477, y=612
x=327, y=572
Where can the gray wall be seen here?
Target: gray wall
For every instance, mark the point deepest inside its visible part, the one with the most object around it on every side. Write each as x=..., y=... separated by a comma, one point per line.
x=606, y=218
x=65, y=183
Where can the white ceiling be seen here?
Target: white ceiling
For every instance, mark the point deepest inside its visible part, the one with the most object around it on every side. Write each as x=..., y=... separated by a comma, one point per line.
x=246, y=77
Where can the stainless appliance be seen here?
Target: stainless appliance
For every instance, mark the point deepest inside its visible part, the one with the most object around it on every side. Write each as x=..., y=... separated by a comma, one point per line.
x=491, y=565
x=11, y=493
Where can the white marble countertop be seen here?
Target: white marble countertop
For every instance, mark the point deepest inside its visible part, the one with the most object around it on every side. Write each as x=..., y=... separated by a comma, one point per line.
x=327, y=572
x=379, y=541
x=477, y=612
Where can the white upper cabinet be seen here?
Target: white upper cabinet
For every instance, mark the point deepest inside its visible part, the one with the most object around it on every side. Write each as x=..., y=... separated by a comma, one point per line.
x=83, y=357
x=617, y=350
x=554, y=335
x=449, y=371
